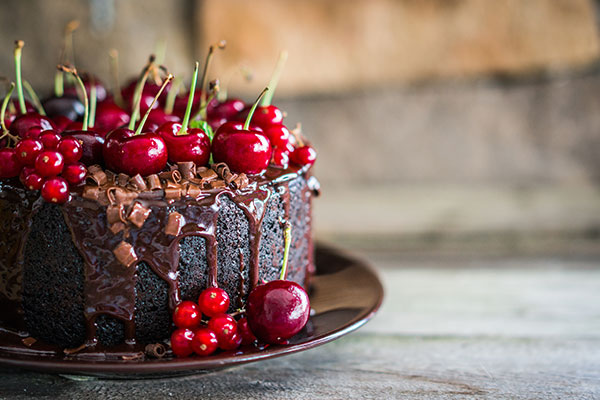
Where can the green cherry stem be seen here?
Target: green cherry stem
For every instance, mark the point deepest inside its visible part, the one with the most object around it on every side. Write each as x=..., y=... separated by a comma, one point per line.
x=188, y=109
x=113, y=59
x=203, y=96
x=93, y=101
x=251, y=113
x=138, y=131
x=172, y=95
x=18, y=52
x=287, y=237
x=86, y=100
x=266, y=101
x=34, y=98
x=59, y=84
x=4, y=105
x=137, y=94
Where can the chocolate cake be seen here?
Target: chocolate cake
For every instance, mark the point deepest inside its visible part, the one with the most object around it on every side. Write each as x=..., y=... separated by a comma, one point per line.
x=109, y=265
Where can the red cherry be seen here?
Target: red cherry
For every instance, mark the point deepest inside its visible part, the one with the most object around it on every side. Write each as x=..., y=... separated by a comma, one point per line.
x=304, y=155
x=92, y=144
x=264, y=116
x=71, y=149
x=245, y=332
x=27, y=150
x=157, y=118
x=277, y=310
x=33, y=181
x=55, y=190
x=109, y=117
x=9, y=163
x=280, y=158
x=101, y=92
x=243, y=151
x=143, y=154
x=30, y=125
x=49, y=163
x=181, y=342
x=50, y=139
x=61, y=122
x=232, y=343
x=24, y=173
x=204, y=342
x=187, y=315
x=279, y=136
x=75, y=173
x=213, y=301
x=224, y=326
x=229, y=107
x=191, y=146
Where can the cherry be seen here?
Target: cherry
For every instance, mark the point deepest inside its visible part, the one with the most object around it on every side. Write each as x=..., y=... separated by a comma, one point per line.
x=213, y=301
x=187, y=315
x=25, y=171
x=279, y=309
x=89, y=81
x=245, y=332
x=204, y=342
x=55, y=190
x=110, y=116
x=224, y=326
x=181, y=342
x=232, y=342
x=33, y=181
x=61, y=122
x=49, y=163
x=280, y=158
x=158, y=117
x=75, y=173
x=229, y=108
x=27, y=150
x=50, y=139
x=279, y=136
x=71, y=149
x=65, y=106
x=30, y=125
x=9, y=163
x=304, y=155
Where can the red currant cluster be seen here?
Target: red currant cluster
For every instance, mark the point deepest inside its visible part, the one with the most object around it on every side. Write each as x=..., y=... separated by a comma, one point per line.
x=217, y=330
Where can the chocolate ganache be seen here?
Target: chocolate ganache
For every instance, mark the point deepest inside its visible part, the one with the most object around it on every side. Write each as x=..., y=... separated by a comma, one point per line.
x=109, y=266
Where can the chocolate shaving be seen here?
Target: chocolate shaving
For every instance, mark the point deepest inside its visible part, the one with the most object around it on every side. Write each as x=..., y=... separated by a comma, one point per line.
x=171, y=184
x=173, y=193
x=218, y=184
x=28, y=341
x=155, y=350
x=187, y=169
x=154, y=182
x=138, y=183
x=221, y=169
x=93, y=168
x=173, y=175
x=195, y=181
x=75, y=349
x=91, y=193
x=207, y=175
x=117, y=227
x=229, y=177
x=138, y=215
x=122, y=179
x=174, y=224
x=110, y=176
x=240, y=181
x=115, y=213
x=125, y=254
x=97, y=177
x=193, y=191
x=134, y=356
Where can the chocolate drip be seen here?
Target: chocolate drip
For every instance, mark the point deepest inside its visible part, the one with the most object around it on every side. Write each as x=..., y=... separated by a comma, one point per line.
x=241, y=286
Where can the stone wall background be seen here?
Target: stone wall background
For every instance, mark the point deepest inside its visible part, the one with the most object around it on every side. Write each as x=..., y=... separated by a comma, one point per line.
x=433, y=118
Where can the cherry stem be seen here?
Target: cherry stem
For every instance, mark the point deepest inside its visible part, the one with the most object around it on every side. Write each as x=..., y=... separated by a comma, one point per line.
x=59, y=84
x=93, y=101
x=188, y=109
x=4, y=105
x=160, y=49
x=18, y=51
x=86, y=101
x=34, y=98
x=113, y=58
x=266, y=101
x=287, y=237
x=137, y=94
x=143, y=121
x=251, y=113
x=297, y=133
x=203, y=96
x=172, y=95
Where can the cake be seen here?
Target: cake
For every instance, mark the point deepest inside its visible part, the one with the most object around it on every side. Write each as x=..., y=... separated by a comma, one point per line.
x=105, y=231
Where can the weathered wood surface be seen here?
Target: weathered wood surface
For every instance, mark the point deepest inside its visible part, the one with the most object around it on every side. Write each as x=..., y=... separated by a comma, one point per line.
x=518, y=328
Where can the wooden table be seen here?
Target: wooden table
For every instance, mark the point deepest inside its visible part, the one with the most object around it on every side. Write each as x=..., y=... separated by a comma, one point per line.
x=464, y=327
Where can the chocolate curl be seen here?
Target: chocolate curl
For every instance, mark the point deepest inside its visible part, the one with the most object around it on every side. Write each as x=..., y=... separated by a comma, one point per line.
x=110, y=176
x=221, y=169
x=193, y=191
x=117, y=227
x=138, y=183
x=240, y=182
x=134, y=356
x=175, y=222
x=122, y=179
x=206, y=174
x=115, y=213
x=173, y=193
x=195, y=181
x=173, y=175
x=218, y=184
x=187, y=169
x=91, y=193
x=138, y=215
x=28, y=341
x=125, y=254
x=155, y=350
x=229, y=177
x=118, y=195
x=153, y=182
x=96, y=176
x=75, y=349
x=170, y=184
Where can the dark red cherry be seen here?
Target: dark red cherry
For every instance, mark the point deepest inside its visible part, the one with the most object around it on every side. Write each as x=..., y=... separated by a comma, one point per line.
x=279, y=136
x=277, y=310
x=149, y=91
x=55, y=190
x=304, y=155
x=30, y=125
x=101, y=92
x=264, y=116
x=109, y=117
x=243, y=151
x=245, y=332
x=71, y=149
x=64, y=106
x=49, y=163
x=27, y=150
x=229, y=108
x=213, y=301
x=157, y=118
x=25, y=171
x=181, y=342
x=61, y=122
x=33, y=181
x=92, y=144
x=74, y=173
x=50, y=139
x=232, y=342
x=191, y=146
x=9, y=163
x=224, y=326
x=204, y=342
x=280, y=158
x=187, y=315
x=142, y=154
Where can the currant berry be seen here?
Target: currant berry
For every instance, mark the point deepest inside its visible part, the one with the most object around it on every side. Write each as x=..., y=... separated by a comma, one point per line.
x=224, y=326
x=213, y=301
x=74, y=173
x=304, y=155
x=9, y=163
x=49, y=139
x=49, y=163
x=204, y=342
x=181, y=342
x=187, y=315
x=55, y=190
x=245, y=332
x=232, y=343
x=27, y=150
x=71, y=149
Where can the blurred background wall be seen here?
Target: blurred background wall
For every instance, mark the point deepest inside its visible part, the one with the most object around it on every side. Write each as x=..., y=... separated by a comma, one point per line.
x=440, y=124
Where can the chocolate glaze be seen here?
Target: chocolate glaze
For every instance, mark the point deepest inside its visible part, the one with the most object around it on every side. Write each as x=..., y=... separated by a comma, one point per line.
x=109, y=287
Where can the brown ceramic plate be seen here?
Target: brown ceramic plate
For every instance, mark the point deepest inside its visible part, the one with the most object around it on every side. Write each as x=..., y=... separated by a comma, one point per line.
x=345, y=294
